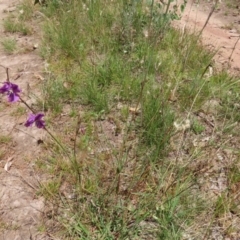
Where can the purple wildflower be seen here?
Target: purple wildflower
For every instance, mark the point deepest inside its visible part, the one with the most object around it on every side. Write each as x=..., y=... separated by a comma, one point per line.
x=12, y=91
x=37, y=119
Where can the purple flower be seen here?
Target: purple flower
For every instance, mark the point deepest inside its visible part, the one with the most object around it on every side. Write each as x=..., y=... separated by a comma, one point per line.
x=37, y=119
x=12, y=91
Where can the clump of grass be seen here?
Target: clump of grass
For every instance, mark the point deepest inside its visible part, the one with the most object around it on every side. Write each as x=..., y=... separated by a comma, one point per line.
x=19, y=111
x=197, y=127
x=9, y=45
x=14, y=26
x=5, y=139
x=126, y=77
x=26, y=10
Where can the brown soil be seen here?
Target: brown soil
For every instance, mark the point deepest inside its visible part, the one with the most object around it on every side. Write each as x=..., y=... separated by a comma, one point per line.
x=21, y=210
x=221, y=33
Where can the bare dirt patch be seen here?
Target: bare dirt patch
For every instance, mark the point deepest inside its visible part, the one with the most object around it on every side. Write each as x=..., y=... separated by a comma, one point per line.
x=20, y=208
x=221, y=33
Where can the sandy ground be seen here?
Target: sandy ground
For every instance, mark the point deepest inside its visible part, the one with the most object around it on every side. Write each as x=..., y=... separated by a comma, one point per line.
x=21, y=210
x=221, y=33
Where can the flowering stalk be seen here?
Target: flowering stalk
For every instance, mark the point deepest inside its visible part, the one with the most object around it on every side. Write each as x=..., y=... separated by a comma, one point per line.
x=39, y=122
x=12, y=91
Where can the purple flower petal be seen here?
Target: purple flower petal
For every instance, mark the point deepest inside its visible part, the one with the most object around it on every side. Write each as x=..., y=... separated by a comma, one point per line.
x=12, y=97
x=39, y=116
x=11, y=90
x=40, y=124
x=37, y=119
x=30, y=120
x=6, y=87
x=15, y=88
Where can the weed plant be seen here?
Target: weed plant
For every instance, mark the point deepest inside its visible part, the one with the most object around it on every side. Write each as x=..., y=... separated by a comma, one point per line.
x=14, y=26
x=16, y=21
x=9, y=45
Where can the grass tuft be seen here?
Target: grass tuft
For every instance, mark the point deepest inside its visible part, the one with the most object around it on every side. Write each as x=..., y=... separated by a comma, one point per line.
x=9, y=45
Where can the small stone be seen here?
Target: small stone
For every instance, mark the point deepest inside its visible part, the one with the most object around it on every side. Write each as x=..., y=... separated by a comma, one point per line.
x=233, y=31
x=35, y=46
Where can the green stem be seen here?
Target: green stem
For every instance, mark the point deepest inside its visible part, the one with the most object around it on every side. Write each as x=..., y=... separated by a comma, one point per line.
x=55, y=139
